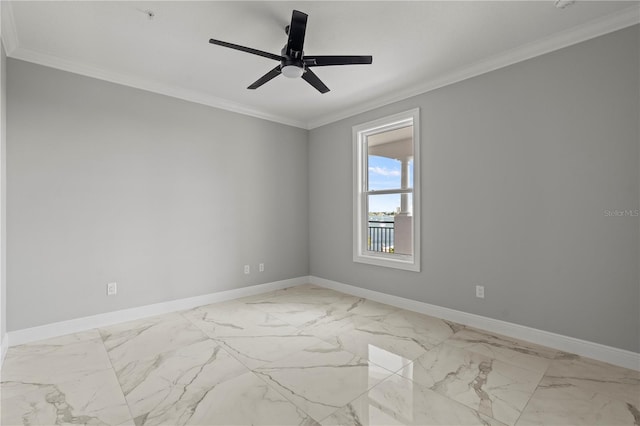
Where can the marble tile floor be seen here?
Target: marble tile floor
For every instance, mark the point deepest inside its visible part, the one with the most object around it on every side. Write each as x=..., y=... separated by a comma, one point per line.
x=307, y=356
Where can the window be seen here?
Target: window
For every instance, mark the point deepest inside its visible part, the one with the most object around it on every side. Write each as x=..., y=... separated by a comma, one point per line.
x=386, y=181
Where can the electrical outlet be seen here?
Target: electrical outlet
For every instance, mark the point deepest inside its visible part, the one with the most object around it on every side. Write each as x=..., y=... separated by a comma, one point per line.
x=112, y=289
x=247, y=269
x=480, y=291
x=261, y=267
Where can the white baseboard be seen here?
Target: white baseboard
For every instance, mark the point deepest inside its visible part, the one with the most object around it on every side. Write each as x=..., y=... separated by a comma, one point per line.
x=580, y=347
x=611, y=355
x=76, y=325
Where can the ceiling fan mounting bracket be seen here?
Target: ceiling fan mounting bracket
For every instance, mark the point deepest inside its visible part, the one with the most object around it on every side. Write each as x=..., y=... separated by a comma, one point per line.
x=292, y=56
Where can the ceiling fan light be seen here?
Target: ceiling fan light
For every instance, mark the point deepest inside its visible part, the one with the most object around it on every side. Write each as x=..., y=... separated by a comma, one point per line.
x=292, y=71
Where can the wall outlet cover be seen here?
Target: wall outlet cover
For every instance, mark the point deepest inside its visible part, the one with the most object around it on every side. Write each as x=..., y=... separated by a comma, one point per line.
x=112, y=289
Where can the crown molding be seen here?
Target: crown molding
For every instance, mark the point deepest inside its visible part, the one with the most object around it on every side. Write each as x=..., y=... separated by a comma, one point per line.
x=9, y=32
x=613, y=22
x=607, y=24
x=148, y=85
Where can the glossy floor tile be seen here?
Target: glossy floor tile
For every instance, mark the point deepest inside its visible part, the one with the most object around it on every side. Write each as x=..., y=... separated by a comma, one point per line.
x=492, y=387
x=61, y=359
x=618, y=383
x=256, y=351
x=66, y=380
x=506, y=349
x=322, y=378
x=554, y=403
x=247, y=400
x=400, y=401
x=168, y=388
x=132, y=341
x=236, y=319
x=95, y=398
x=395, y=340
x=307, y=355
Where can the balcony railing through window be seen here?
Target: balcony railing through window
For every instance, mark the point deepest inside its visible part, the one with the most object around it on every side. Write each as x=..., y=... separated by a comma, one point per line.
x=381, y=236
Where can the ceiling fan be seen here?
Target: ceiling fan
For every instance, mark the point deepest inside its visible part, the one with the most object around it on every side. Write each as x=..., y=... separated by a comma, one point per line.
x=293, y=62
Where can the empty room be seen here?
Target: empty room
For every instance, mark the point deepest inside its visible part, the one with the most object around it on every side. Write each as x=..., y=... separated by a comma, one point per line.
x=320, y=213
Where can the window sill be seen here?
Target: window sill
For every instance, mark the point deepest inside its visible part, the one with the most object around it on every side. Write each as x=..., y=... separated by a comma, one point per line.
x=406, y=263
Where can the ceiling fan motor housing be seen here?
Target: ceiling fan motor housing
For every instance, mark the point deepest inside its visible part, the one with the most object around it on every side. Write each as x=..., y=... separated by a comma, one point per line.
x=288, y=63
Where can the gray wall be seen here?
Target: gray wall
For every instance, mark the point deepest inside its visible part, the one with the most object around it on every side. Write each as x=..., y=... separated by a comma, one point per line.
x=170, y=199
x=167, y=198
x=519, y=166
x=3, y=193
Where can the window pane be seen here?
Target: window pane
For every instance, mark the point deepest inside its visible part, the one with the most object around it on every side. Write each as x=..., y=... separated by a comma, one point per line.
x=390, y=159
x=384, y=173
x=389, y=229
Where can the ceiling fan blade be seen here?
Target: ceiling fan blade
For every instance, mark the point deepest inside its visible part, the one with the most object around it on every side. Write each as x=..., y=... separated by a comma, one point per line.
x=246, y=49
x=323, y=61
x=297, y=30
x=313, y=80
x=268, y=76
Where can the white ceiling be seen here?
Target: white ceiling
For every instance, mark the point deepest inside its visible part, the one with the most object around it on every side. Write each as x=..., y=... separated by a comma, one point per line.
x=416, y=46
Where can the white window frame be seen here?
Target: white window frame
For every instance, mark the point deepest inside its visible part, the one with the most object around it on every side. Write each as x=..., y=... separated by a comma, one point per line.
x=360, y=175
